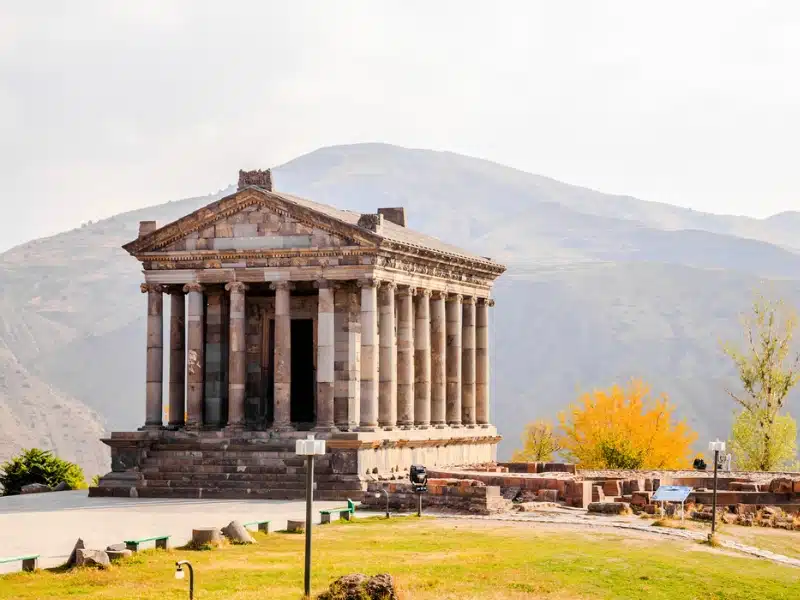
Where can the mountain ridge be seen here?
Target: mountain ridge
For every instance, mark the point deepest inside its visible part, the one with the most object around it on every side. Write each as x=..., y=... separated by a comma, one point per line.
x=588, y=300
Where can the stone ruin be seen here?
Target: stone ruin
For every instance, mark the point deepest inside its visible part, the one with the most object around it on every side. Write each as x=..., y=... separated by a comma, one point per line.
x=490, y=488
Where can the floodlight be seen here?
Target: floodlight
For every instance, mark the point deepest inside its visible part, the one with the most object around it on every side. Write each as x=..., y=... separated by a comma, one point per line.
x=309, y=446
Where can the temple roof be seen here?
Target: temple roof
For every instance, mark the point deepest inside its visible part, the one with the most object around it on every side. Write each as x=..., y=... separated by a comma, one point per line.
x=156, y=238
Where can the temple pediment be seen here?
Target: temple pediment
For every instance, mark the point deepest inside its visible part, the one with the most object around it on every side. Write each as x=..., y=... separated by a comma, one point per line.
x=252, y=220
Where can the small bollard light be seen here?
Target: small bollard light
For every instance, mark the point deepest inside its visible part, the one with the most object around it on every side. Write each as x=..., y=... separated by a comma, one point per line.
x=179, y=574
x=385, y=493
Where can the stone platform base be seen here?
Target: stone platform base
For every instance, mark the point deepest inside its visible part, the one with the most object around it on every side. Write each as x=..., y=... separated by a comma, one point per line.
x=263, y=464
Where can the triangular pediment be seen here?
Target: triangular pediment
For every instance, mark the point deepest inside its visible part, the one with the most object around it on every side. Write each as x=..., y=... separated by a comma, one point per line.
x=253, y=220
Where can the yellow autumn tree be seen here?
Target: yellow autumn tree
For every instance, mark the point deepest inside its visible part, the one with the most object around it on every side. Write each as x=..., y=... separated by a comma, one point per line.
x=625, y=428
x=539, y=443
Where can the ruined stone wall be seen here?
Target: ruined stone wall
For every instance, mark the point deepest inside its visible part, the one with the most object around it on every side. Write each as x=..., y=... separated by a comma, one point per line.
x=461, y=495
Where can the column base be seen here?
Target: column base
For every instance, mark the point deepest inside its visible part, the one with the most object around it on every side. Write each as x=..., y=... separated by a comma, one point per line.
x=407, y=426
x=388, y=427
x=176, y=426
x=325, y=428
x=282, y=427
x=471, y=426
x=439, y=425
x=422, y=426
x=367, y=428
x=152, y=427
x=457, y=425
x=234, y=428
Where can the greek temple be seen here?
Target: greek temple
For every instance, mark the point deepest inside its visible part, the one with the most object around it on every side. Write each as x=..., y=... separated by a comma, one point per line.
x=287, y=316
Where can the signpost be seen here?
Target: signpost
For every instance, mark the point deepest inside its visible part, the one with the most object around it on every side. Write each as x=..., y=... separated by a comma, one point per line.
x=672, y=493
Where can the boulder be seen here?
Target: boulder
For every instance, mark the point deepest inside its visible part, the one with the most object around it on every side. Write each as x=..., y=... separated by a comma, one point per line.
x=34, y=488
x=205, y=536
x=729, y=518
x=770, y=511
x=119, y=554
x=547, y=496
x=360, y=587
x=781, y=485
x=511, y=493
x=73, y=557
x=62, y=487
x=116, y=547
x=237, y=533
x=610, y=508
x=92, y=558
x=641, y=498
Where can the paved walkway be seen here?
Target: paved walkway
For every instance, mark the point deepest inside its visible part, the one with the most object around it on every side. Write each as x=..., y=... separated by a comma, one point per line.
x=48, y=524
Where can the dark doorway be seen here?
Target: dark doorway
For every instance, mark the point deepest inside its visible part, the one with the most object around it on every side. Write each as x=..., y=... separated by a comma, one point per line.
x=304, y=386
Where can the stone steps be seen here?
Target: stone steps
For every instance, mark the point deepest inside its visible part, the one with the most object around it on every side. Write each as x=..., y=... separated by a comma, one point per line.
x=222, y=454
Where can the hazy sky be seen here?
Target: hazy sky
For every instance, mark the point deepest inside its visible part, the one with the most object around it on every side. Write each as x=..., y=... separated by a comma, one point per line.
x=107, y=106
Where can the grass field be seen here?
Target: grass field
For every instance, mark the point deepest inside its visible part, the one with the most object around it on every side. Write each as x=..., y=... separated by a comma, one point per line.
x=435, y=558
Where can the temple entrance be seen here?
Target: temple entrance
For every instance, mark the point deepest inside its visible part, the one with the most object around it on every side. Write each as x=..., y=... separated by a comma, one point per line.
x=304, y=380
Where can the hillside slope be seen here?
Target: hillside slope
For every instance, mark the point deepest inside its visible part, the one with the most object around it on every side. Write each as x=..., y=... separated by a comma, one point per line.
x=600, y=288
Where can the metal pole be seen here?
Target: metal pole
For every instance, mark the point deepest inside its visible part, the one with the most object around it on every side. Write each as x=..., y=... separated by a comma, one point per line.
x=419, y=506
x=309, y=510
x=714, y=503
x=387, y=502
x=180, y=565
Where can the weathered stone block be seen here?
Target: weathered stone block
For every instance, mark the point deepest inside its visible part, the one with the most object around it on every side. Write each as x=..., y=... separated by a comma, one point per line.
x=609, y=508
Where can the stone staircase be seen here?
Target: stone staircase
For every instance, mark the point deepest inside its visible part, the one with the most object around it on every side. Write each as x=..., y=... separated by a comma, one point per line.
x=226, y=469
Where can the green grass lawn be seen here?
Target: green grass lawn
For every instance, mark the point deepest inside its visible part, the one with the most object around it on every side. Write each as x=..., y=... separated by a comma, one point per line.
x=433, y=558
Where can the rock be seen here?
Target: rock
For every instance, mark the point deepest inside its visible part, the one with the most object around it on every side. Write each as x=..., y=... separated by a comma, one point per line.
x=295, y=526
x=781, y=485
x=92, y=558
x=381, y=587
x=206, y=535
x=73, y=557
x=62, y=487
x=237, y=533
x=612, y=487
x=34, y=488
x=729, y=518
x=116, y=547
x=610, y=508
x=360, y=587
x=745, y=519
x=119, y=554
x=641, y=498
x=511, y=493
x=770, y=511
x=743, y=486
x=547, y=496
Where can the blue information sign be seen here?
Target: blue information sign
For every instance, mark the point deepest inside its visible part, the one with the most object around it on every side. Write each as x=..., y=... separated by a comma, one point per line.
x=672, y=493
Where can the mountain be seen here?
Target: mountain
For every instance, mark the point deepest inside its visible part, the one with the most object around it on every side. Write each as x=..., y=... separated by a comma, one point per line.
x=600, y=289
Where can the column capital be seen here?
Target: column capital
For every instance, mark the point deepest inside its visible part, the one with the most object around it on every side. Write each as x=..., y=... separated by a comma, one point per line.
x=156, y=288
x=486, y=301
x=368, y=282
x=455, y=298
x=388, y=285
x=193, y=287
x=438, y=295
x=424, y=292
x=236, y=286
x=468, y=300
x=406, y=290
x=281, y=285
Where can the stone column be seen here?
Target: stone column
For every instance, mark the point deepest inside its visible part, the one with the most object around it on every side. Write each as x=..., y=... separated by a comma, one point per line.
x=422, y=360
x=369, y=355
x=453, y=309
x=438, y=362
x=482, y=361
x=325, y=353
x=195, y=356
x=387, y=392
x=154, y=395
x=177, y=359
x=237, y=355
x=283, y=356
x=468, y=362
x=405, y=358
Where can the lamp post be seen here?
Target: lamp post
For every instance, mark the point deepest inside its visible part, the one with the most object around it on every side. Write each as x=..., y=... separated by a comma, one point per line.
x=386, y=493
x=419, y=480
x=716, y=447
x=309, y=448
x=179, y=574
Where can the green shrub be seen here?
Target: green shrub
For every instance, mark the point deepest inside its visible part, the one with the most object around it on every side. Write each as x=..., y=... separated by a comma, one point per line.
x=38, y=466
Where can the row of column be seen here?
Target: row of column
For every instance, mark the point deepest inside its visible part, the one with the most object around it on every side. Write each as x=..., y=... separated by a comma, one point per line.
x=436, y=373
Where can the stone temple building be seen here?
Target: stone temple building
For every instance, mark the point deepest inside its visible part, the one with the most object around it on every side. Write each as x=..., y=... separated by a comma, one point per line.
x=288, y=316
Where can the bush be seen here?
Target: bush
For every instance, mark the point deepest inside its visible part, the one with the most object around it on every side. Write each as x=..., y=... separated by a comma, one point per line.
x=38, y=466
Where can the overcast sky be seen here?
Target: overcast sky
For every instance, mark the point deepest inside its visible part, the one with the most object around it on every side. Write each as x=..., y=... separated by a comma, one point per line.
x=107, y=106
